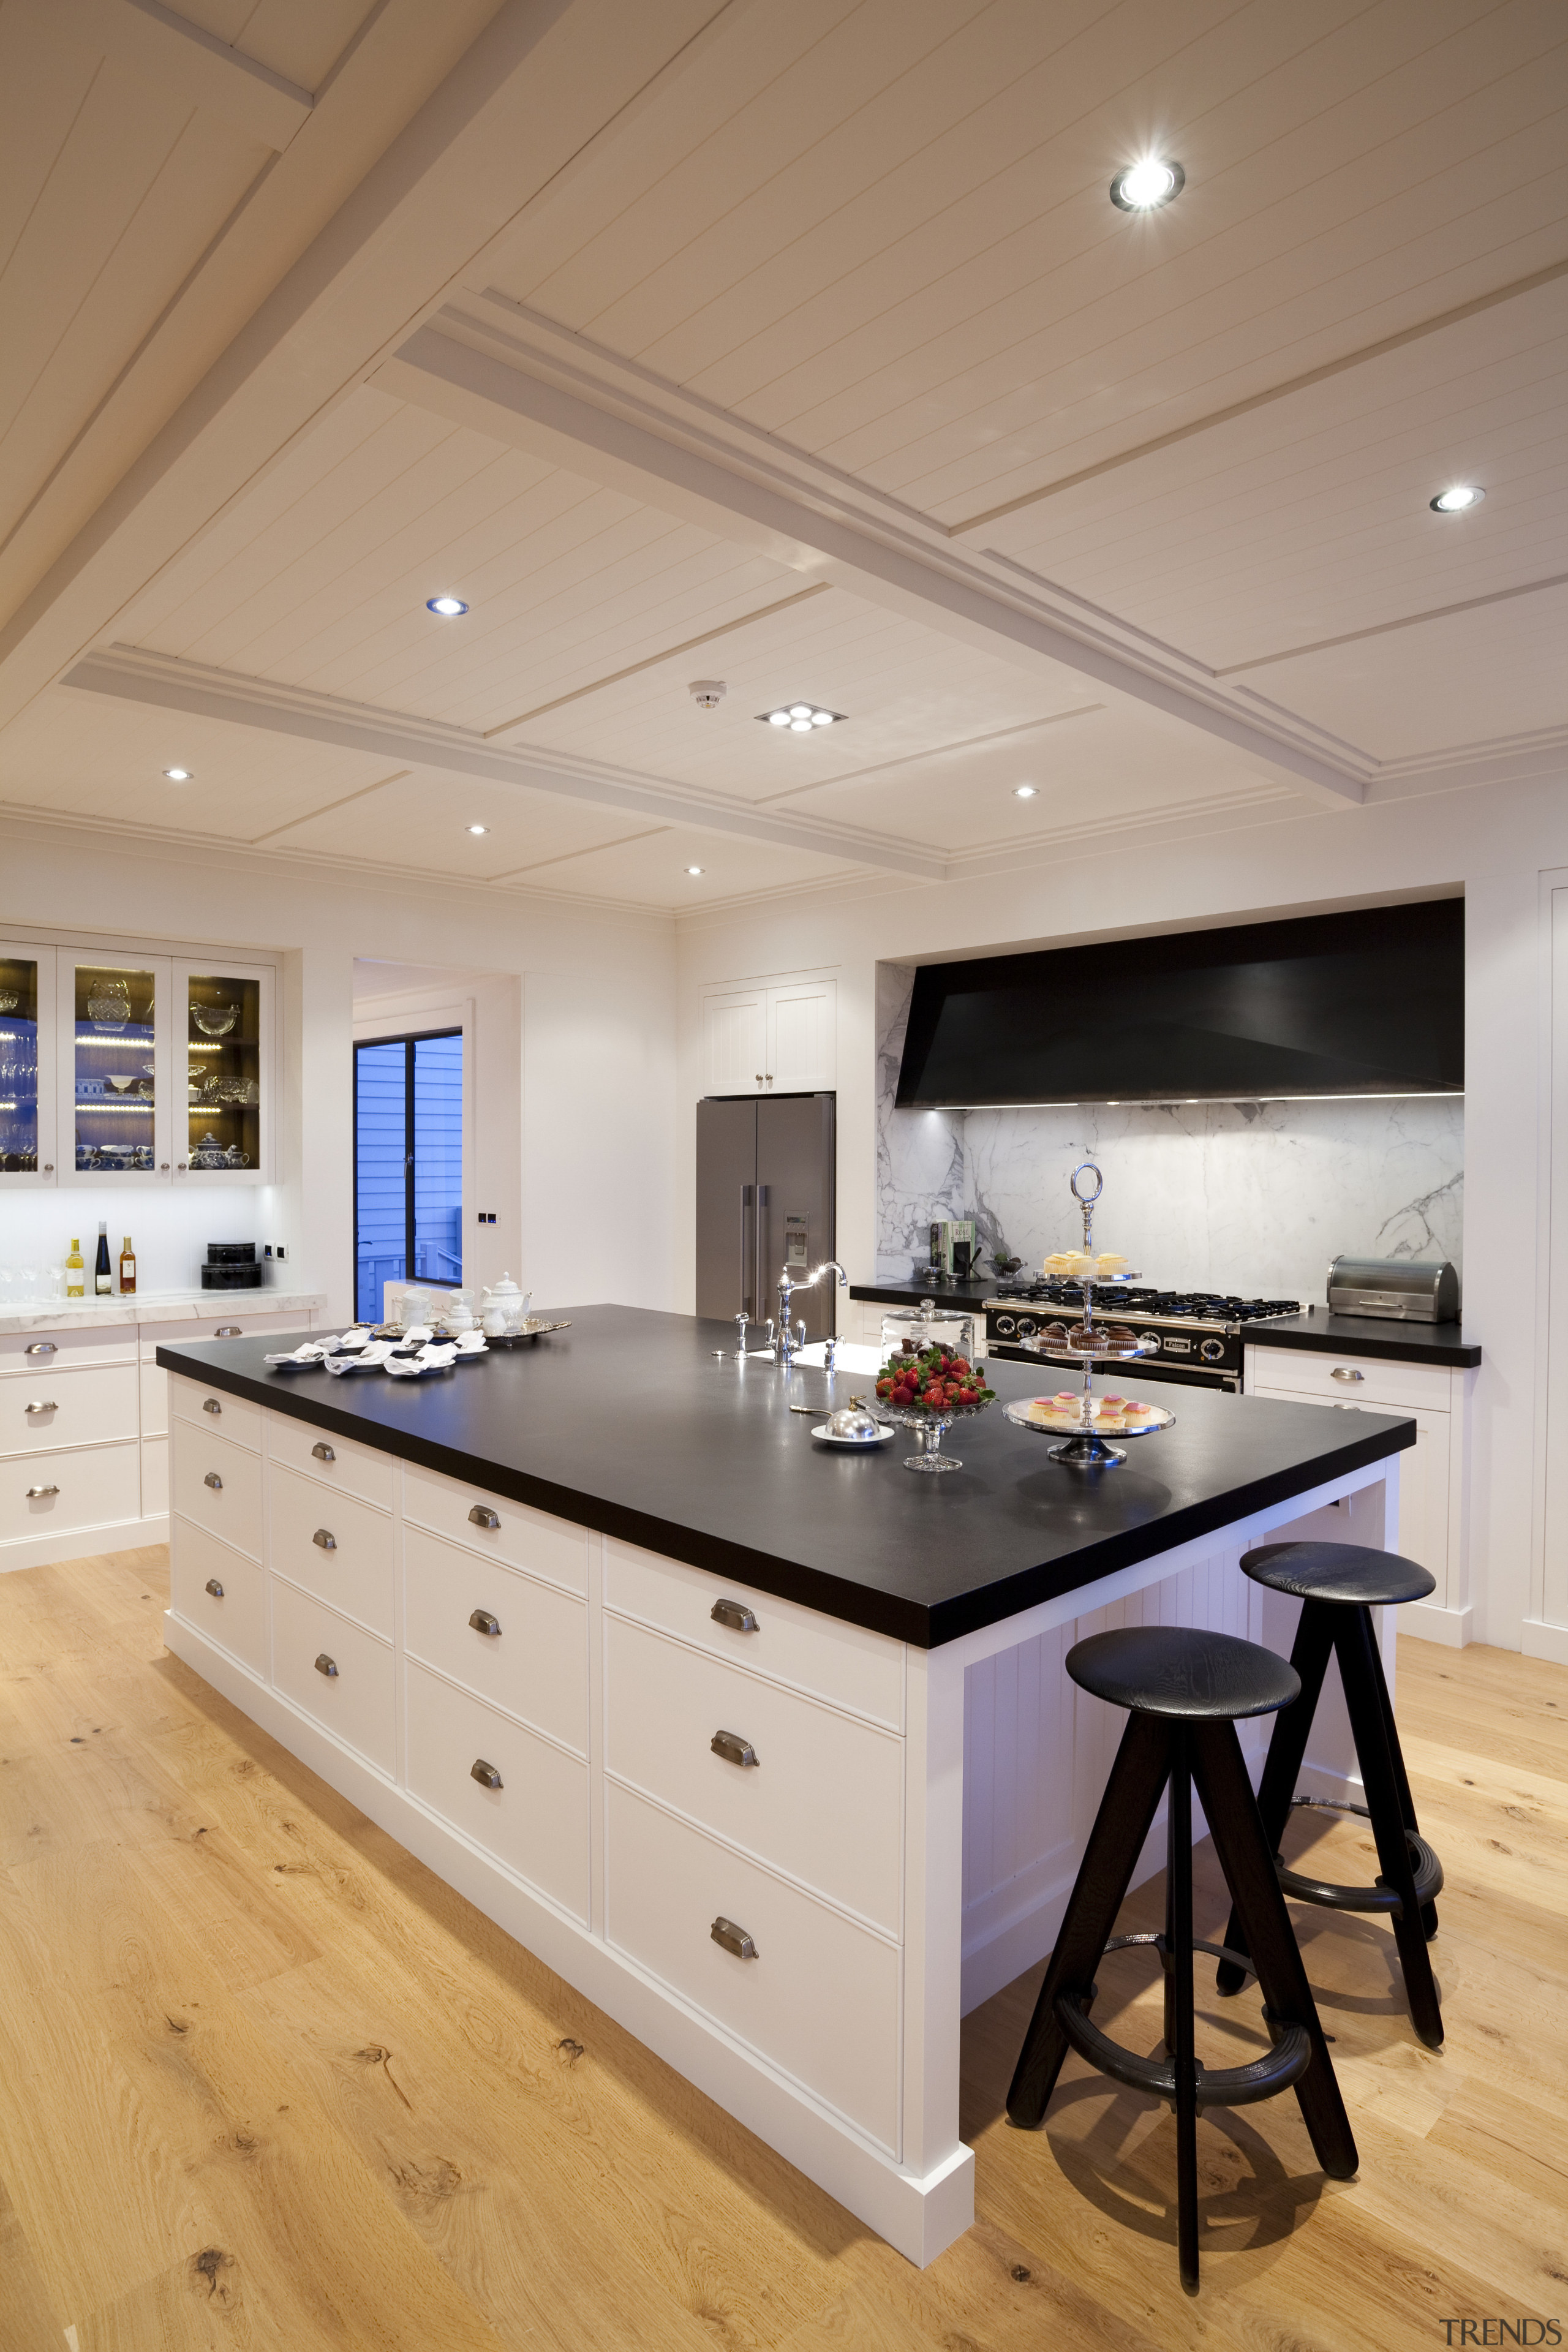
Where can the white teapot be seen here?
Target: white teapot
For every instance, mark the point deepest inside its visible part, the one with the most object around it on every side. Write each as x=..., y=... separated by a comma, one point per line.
x=505, y=1308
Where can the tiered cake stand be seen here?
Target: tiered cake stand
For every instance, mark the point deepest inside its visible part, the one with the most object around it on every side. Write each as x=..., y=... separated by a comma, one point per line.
x=1084, y=1344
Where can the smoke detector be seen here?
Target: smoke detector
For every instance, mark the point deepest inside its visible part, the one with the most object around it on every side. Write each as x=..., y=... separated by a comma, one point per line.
x=707, y=693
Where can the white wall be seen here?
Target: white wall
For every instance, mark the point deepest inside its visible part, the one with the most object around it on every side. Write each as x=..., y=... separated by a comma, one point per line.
x=1493, y=842
x=586, y=1169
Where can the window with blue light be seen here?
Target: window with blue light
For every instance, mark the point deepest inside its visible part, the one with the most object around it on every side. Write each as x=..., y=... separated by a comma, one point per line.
x=408, y=1164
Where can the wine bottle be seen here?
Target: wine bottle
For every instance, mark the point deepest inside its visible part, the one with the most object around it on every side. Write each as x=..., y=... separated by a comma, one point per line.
x=103, y=1280
x=76, y=1272
x=127, y=1270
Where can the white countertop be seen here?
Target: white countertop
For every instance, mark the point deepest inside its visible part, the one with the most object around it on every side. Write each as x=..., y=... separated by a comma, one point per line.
x=154, y=1306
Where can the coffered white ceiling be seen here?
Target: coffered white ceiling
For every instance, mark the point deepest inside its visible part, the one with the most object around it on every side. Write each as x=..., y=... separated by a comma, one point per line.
x=798, y=347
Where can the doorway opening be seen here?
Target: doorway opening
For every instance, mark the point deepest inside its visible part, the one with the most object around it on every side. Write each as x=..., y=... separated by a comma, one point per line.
x=408, y=1164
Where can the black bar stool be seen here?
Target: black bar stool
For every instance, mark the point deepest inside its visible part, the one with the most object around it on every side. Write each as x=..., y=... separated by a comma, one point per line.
x=1183, y=1690
x=1337, y=1585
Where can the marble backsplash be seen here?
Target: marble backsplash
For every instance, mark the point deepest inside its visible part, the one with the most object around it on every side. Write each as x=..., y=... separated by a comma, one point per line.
x=1248, y=1197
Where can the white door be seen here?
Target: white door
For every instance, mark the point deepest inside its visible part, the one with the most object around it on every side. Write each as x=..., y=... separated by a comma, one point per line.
x=115, y=1068
x=28, y=1065
x=1554, y=1593
x=800, y=1037
x=734, y=1042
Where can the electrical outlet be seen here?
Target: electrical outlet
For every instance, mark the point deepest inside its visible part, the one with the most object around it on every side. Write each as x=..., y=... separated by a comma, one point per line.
x=274, y=1250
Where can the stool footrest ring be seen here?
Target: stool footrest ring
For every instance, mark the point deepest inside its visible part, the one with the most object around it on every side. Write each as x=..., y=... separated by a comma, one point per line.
x=1426, y=1869
x=1217, y=2086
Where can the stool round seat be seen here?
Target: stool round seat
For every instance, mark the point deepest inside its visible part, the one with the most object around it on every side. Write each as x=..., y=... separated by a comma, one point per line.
x=1352, y=1574
x=1180, y=1671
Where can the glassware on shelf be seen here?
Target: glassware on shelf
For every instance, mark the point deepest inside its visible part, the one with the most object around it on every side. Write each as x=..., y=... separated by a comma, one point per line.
x=109, y=1006
x=215, y=1020
x=9, y=1000
x=18, y=1065
x=114, y=1022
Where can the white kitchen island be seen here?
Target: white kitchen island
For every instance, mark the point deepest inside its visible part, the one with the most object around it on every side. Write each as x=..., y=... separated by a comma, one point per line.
x=436, y=1596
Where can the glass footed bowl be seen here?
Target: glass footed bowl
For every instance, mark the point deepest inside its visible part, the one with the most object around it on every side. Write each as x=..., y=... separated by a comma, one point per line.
x=930, y=1423
x=215, y=1020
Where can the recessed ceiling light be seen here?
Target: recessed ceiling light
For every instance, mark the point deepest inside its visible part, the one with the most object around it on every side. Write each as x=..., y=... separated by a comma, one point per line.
x=1022, y=791
x=1455, y=501
x=178, y=775
x=478, y=828
x=1144, y=186
x=801, y=717
x=694, y=869
x=447, y=606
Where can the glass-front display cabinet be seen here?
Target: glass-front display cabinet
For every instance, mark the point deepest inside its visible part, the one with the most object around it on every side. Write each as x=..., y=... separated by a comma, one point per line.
x=133, y=1069
x=27, y=1073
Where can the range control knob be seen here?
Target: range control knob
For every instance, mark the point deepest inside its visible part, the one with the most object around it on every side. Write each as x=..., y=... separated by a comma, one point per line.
x=1027, y=1327
x=1152, y=1339
x=1211, y=1350
x=1006, y=1326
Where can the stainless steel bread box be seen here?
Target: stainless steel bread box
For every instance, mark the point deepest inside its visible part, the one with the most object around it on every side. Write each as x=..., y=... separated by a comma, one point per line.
x=1403, y=1289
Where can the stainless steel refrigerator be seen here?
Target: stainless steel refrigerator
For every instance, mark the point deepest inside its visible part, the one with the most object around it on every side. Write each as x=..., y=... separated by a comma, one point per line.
x=765, y=1183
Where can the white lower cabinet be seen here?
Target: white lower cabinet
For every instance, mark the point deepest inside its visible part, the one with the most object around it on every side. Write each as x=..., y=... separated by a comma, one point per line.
x=511, y=1640
x=820, y=1998
x=219, y=1591
x=516, y=1795
x=336, y=1671
x=68, y=1493
x=154, y=1477
x=89, y=1405
x=331, y=1546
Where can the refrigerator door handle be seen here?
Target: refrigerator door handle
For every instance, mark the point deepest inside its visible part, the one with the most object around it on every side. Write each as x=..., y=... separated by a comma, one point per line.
x=760, y=1247
x=748, y=1304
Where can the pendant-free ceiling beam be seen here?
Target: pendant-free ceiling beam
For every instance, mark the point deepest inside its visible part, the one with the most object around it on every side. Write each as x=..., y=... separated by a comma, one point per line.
x=492, y=395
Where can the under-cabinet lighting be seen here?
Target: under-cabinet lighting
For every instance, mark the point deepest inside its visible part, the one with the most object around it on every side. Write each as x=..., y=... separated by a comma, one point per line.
x=1458, y=500
x=1161, y=1102
x=448, y=608
x=1144, y=186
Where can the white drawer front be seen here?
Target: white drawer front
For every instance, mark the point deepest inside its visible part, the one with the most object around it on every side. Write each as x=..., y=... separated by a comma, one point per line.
x=337, y=1462
x=217, y=1483
x=536, y=1666
x=334, y=1546
x=29, y=1351
x=235, y=1615
x=1351, y=1380
x=552, y=1548
x=94, y=1489
x=154, y=1477
x=843, y=1664
x=85, y=1405
x=231, y=1416
x=356, y=1704
x=821, y=1999
x=824, y=1800
x=218, y=1321
x=154, y=1396
x=536, y=1821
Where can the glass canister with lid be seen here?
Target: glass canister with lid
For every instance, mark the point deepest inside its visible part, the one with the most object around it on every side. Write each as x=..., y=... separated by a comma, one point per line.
x=912, y=1330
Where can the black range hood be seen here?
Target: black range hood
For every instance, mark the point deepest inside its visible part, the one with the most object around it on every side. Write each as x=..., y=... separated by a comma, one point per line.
x=1371, y=1003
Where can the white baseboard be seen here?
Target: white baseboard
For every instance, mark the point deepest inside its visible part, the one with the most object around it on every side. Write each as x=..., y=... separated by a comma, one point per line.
x=1426, y=1621
x=80, y=1543
x=1539, y=1640
x=920, y=2215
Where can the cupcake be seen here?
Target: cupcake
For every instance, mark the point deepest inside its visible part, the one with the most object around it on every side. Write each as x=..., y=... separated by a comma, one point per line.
x=1138, y=1417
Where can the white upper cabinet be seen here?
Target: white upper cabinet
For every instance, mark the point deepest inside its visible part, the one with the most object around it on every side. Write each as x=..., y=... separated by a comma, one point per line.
x=133, y=1069
x=780, y=1038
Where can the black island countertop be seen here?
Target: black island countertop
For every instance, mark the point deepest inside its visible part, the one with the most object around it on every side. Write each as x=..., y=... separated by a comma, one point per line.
x=1315, y=1330
x=629, y=1423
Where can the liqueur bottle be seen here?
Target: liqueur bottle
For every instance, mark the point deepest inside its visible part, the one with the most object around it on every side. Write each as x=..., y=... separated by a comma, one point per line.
x=103, y=1279
x=76, y=1272
x=127, y=1270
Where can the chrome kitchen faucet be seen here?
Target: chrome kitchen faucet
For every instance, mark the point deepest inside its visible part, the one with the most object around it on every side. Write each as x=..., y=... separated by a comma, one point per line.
x=789, y=1340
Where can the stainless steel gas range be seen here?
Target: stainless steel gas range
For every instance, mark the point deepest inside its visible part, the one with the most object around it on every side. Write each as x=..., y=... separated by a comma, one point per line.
x=1201, y=1335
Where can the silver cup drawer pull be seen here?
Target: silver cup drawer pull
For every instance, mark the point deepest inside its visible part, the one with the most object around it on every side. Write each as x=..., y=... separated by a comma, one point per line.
x=212, y=1406
x=45, y=1404
x=213, y=1481
x=735, y=1614
x=40, y=1348
x=485, y=1774
x=1346, y=1372
x=481, y=1516
x=485, y=1620
x=34, y=1494
x=325, y=1665
x=322, y=1452
x=324, y=1539
x=733, y=1749
x=734, y=1939
x=215, y=1588
x=228, y=1331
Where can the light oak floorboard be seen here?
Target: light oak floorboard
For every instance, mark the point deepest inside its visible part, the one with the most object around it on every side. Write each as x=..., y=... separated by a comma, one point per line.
x=265, y=2081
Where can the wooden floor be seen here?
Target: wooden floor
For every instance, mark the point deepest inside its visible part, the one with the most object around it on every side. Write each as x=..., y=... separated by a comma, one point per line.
x=265, y=2081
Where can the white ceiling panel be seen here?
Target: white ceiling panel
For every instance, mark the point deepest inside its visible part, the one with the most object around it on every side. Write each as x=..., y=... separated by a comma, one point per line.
x=1478, y=679
x=1099, y=771
x=421, y=820
x=652, y=871
x=86, y=756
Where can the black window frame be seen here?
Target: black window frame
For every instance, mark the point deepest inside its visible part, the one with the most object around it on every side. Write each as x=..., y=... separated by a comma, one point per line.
x=408, y=1039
